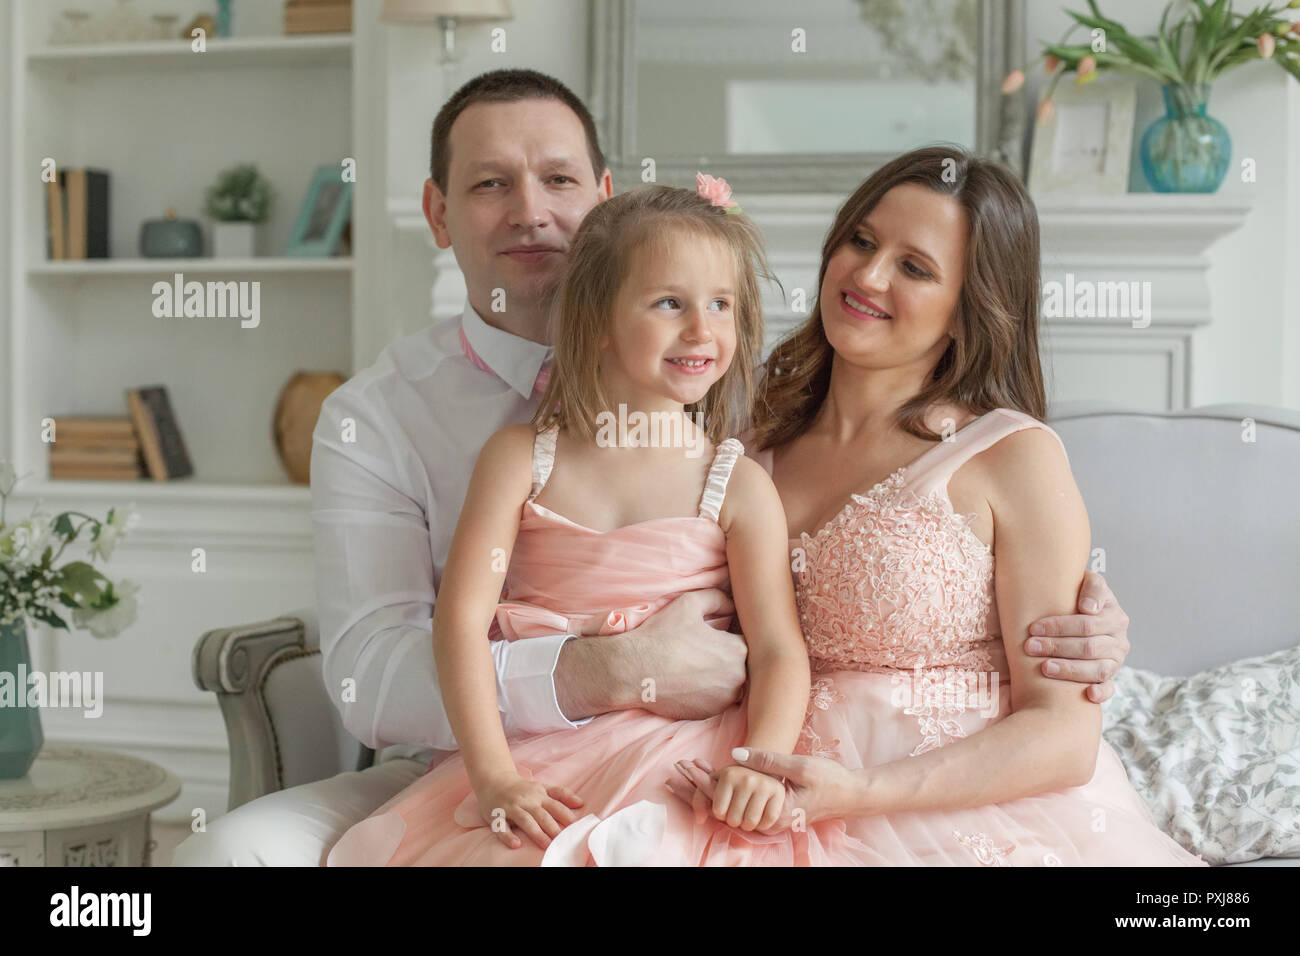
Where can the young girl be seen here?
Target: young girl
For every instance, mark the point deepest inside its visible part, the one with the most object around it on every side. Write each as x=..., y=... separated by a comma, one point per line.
x=623, y=493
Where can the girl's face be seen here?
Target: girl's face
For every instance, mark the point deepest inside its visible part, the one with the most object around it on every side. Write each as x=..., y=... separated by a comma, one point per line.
x=890, y=291
x=673, y=331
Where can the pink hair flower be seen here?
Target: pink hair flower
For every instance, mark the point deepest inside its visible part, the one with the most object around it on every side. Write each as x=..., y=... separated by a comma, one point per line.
x=715, y=190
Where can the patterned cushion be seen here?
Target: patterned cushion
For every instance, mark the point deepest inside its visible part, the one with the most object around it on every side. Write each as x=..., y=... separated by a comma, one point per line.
x=1216, y=756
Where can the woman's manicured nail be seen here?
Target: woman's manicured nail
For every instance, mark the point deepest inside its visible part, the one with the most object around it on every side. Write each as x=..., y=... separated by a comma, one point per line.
x=740, y=753
x=1089, y=605
x=1033, y=647
x=1050, y=668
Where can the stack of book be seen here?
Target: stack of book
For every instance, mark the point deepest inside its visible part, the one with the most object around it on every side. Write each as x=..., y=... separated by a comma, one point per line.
x=96, y=448
x=147, y=443
x=318, y=16
x=76, y=207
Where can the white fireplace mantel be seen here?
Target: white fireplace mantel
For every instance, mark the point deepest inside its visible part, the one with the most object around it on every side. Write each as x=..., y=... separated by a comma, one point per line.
x=1134, y=238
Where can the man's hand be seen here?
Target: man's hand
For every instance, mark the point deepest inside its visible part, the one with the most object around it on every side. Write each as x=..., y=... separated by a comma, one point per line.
x=675, y=664
x=1088, y=647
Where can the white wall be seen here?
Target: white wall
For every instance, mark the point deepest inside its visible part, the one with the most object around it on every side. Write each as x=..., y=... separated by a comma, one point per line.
x=6, y=64
x=1250, y=352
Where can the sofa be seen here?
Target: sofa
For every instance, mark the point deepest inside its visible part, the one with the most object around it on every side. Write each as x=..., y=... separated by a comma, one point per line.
x=1196, y=529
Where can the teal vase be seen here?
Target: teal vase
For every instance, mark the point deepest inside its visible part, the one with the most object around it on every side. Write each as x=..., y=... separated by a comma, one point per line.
x=1186, y=150
x=20, y=726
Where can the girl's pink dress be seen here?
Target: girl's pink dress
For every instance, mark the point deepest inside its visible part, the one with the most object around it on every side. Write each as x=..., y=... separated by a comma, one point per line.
x=895, y=597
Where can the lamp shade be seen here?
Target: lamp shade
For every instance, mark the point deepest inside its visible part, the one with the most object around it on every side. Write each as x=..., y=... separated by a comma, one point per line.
x=428, y=11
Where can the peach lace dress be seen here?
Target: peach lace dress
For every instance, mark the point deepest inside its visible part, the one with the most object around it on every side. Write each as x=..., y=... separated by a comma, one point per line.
x=895, y=598
x=897, y=606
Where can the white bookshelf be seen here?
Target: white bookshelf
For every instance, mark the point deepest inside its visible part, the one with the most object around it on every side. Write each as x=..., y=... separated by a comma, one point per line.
x=163, y=120
x=97, y=58
x=264, y=265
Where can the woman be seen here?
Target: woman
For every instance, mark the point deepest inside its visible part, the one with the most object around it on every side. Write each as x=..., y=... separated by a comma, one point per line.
x=932, y=517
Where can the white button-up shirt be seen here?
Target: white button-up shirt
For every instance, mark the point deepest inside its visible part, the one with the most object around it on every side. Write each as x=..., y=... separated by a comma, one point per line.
x=391, y=460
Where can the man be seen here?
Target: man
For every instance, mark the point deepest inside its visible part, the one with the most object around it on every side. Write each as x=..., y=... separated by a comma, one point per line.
x=515, y=165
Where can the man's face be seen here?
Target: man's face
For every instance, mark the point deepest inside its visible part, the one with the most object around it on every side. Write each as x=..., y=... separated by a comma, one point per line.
x=519, y=183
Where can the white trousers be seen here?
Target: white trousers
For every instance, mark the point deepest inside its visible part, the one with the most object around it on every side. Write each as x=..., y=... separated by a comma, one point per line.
x=297, y=827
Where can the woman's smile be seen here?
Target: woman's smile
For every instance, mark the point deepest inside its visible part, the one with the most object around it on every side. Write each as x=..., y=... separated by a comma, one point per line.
x=859, y=308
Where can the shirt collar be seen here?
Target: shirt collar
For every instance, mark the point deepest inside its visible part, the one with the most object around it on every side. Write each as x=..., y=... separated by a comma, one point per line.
x=516, y=360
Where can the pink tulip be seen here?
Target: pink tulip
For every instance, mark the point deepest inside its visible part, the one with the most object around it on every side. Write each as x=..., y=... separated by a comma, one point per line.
x=1266, y=45
x=1014, y=81
x=1051, y=64
x=1295, y=28
x=1046, y=110
x=1087, y=65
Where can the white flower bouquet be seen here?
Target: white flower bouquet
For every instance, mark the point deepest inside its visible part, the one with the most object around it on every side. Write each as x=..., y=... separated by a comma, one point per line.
x=33, y=585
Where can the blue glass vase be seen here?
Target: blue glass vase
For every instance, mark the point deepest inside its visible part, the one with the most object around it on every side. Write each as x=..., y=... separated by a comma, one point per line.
x=21, y=738
x=1186, y=150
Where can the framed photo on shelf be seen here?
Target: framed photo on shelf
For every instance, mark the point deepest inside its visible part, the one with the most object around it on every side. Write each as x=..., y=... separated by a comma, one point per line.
x=325, y=211
x=1086, y=145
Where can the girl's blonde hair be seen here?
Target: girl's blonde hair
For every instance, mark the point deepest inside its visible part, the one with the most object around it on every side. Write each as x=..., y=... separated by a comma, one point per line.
x=614, y=232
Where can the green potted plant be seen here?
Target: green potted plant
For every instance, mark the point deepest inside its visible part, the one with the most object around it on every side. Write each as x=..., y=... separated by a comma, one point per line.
x=34, y=587
x=238, y=200
x=1186, y=150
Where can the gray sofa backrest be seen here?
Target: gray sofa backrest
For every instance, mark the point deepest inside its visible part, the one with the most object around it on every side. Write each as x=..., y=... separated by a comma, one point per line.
x=1201, y=530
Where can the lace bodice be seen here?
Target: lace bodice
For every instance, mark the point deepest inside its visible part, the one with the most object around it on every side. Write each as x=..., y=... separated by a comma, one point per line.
x=897, y=580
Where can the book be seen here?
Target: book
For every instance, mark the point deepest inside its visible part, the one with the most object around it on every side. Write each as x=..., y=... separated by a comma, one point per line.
x=160, y=435
x=90, y=455
x=95, y=473
x=86, y=204
x=76, y=207
x=55, y=246
x=89, y=426
x=318, y=18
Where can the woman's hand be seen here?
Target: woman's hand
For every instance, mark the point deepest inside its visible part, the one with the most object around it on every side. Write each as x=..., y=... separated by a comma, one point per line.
x=816, y=788
x=541, y=811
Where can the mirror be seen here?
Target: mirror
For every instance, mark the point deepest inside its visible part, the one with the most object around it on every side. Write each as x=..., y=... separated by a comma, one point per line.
x=781, y=97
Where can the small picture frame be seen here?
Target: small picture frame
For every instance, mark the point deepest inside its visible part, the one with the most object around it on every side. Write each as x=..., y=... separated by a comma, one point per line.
x=325, y=211
x=1086, y=145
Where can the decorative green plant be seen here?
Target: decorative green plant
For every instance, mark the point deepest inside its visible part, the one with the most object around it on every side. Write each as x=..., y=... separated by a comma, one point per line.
x=31, y=586
x=1208, y=39
x=240, y=194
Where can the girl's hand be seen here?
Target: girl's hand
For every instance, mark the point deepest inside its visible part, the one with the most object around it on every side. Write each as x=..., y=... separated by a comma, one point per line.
x=816, y=788
x=747, y=799
x=541, y=811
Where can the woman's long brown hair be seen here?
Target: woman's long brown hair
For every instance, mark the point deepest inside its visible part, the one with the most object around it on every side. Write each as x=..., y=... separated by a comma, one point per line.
x=992, y=361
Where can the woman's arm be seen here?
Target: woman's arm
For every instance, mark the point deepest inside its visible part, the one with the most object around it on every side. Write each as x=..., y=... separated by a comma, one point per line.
x=1050, y=740
x=468, y=597
x=757, y=554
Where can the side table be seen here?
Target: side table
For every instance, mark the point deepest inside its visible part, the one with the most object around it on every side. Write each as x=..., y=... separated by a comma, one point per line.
x=82, y=807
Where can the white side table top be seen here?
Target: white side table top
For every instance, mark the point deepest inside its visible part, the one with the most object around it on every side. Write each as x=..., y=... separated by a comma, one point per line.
x=77, y=786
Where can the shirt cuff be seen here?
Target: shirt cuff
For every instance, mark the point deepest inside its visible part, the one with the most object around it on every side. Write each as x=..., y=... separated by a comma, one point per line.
x=527, y=671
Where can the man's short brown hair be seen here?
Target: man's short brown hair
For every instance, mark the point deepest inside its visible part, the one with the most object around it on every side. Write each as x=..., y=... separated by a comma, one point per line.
x=505, y=86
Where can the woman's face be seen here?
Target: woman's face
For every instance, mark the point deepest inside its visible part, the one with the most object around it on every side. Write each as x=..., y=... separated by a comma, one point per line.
x=890, y=290
x=673, y=332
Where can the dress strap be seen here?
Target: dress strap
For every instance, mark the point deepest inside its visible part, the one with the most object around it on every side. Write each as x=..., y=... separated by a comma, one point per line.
x=543, y=458
x=937, y=466
x=715, y=487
